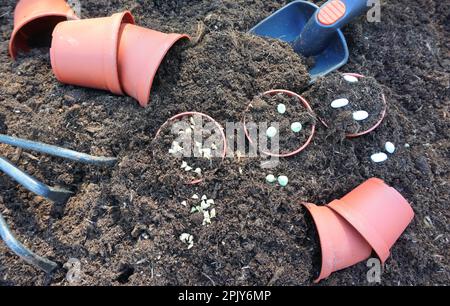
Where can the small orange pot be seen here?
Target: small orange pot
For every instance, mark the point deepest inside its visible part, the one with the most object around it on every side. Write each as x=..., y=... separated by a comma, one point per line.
x=371, y=217
x=84, y=52
x=35, y=19
x=342, y=246
x=378, y=212
x=141, y=52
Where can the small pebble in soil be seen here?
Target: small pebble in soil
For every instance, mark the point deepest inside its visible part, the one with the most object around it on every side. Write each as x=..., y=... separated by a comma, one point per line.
x=296, y=127
x=407, y=145
x=271, y=179
x=339, y=103
x=281, y=108
x=360, y=115
x=351, y=78
x=271, y=132
x=379, y=157
x=390, y=147
x=283, y=180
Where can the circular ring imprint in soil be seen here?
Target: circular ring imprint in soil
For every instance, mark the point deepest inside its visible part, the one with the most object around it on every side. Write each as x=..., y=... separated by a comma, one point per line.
x=295, y=117
x=187, y=145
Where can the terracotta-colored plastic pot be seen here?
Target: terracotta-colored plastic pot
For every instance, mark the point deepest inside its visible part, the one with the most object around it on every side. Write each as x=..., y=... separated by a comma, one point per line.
x=377, y=124
x=209, y=118
x=35, y=20
x=304, y=103
x=341, y=244
x=141, y=52
x=371, y=217
x=84, y=52
x=378, y=212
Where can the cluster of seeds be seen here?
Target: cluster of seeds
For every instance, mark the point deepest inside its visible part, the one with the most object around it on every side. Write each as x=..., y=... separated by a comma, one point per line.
x=360, y=115
x=296, y=127
x=381, y=156
x=187, y=239
x=282, y=180
x=204, y=206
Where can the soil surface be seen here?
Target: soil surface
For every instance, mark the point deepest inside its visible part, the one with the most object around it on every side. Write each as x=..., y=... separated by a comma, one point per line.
x=124, y=223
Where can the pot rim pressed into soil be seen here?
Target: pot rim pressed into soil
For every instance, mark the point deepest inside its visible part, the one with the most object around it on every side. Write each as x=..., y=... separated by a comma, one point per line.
x=376, y=125
x=305, y=104
x=192, y=113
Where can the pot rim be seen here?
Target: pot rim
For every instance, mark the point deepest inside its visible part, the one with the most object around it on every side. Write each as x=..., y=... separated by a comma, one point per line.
x=305, y=104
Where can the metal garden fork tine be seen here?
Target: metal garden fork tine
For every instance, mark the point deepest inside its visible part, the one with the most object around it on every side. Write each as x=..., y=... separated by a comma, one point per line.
x=20, y=250
x=58, y=195
x=57, y=151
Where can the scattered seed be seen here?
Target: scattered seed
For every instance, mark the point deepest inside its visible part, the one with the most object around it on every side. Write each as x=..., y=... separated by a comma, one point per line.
x=379, y=157
x=271, y=178
x=271, y=132
x=351, y=78
x=184, y=165
x=194, y=210
x=407, y=145
x=339, y=103
x=296, y=127
x=210, y=201
x=360, y=115
x=204, y=198
x=281, y=108
x=205, y=205
x=195, y=197
x=198, y=171
x=283, y=180
x=185, y=237
x=188, y=168
x=206, y=218
x=206, y=153
x=213, y=214
x=184, y=203
x=390, y=147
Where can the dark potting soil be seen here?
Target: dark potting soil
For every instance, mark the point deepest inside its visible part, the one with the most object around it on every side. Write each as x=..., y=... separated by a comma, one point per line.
x=364, y=95
x=123, y=224
x=264, y=110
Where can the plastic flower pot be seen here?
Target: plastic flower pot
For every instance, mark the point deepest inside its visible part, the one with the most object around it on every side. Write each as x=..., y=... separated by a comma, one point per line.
x=377, y=124
x=84, y=52
x=371, y=217
x=341, y=244
x=305, y=104
x=378, y=212
x=217, y=124
x=35, y=20
x=140, y=54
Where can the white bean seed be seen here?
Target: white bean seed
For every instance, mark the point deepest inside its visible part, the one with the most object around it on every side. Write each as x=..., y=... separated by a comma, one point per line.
x=390, y=147
x=360, y=115
x=351, y=78
x=379, y=157
x=339, y=103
